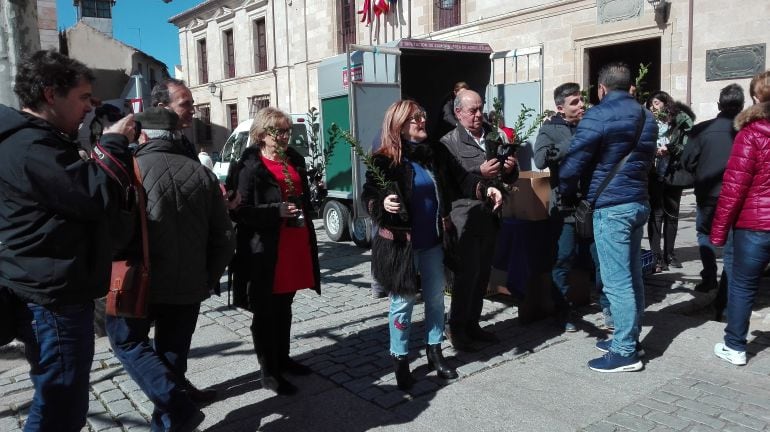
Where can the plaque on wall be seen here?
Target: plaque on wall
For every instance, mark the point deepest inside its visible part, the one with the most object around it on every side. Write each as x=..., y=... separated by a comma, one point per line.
x=618, y=10
x=735, y=62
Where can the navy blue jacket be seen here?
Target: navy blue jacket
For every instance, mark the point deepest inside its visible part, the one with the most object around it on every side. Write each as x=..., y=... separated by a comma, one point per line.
x=603, y=138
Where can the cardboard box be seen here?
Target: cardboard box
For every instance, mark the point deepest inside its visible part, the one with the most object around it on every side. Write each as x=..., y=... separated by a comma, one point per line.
x=530, y=197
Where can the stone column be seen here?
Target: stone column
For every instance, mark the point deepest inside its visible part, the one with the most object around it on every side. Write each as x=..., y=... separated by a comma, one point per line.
x=18, y=36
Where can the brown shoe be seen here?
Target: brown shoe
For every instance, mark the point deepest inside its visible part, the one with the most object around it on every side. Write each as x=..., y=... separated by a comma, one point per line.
x=460, y=341
x=481, y=335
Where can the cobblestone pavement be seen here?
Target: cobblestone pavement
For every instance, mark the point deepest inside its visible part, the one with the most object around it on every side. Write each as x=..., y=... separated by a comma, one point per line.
x=342, y=336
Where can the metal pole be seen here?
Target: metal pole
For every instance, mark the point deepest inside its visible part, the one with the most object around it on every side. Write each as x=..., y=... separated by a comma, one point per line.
x=19, y=36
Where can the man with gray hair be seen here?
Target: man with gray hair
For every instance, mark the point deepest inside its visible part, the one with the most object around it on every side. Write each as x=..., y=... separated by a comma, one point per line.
x=190, y=242
x=475, y=225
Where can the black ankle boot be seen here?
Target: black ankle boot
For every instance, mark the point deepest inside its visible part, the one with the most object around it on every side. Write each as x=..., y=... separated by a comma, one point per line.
x=404, y=378
x=274, y=381
x=437, y=361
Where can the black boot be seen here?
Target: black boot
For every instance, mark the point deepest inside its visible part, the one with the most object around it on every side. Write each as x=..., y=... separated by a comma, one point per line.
x=275, y=381
x=437, y=361
x=404, y=378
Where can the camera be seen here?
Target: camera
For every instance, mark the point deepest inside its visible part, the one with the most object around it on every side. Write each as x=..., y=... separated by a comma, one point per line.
x=504, y=151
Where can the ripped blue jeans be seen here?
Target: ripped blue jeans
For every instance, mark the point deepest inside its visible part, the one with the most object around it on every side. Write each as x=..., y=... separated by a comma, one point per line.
x=430, y=265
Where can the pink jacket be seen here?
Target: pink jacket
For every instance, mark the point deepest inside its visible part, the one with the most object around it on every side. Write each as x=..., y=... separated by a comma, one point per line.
x=744, y=202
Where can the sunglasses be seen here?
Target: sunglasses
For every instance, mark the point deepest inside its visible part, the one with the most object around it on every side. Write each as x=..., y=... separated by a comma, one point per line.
x=419, y=117
x=279, y=132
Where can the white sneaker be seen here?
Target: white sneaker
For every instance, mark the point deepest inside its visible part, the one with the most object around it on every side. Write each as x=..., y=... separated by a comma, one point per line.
x=730, y=355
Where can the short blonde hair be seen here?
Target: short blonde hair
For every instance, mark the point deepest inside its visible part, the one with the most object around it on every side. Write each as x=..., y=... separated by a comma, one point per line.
x=760, y=86
x=265, y=119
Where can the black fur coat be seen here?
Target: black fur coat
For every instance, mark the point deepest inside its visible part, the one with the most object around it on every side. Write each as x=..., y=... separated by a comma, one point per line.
x=392, y=254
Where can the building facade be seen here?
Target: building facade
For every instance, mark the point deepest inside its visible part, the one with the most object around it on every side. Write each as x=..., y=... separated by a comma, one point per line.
x=239, y=55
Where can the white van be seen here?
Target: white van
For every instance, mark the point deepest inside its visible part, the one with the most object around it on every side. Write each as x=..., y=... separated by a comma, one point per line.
x=239, y=140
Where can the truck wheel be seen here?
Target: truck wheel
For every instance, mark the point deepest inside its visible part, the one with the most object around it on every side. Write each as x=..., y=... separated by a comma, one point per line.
x=361, y=231
x=336, y=217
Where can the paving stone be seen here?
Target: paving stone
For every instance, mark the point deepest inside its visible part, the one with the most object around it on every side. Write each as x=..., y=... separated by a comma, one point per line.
x=682, y=391
x=718, y=390
x=119, y=407
x=630, y=422
x=636, y=410
x=133, y=419
x=700, y=407
x=100, y=422
x=9, y=424
x=471, y=368
x=603, y=426
x=667, y=420
x=15, y=387
x=103, y=386
x=370, y=392
x=656, y=405
x=700, y=417
x=340, y=378
x=112, y=395
x=719, y=402
x=744, y=420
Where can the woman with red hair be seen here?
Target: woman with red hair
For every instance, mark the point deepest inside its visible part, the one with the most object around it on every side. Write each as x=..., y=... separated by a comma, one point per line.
x=403, y=193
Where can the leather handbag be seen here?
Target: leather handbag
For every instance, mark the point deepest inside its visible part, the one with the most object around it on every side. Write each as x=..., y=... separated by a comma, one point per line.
x=584, y=212
x=130, y=279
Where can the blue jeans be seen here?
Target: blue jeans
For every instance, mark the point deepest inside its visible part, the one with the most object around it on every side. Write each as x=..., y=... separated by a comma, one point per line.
x=430, y=265
x=158, y=368
x=569, y=248
x=708, y=252
x=618, y=231
x=59, y=346
x=754, y=249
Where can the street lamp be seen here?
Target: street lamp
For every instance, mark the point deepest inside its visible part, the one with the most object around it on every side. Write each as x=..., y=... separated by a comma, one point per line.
x=212, y=88
x=662, y=10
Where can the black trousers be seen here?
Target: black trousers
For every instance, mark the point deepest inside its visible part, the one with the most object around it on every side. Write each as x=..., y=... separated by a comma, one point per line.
x=470, y=280
x=271, y=330
x=664, y=218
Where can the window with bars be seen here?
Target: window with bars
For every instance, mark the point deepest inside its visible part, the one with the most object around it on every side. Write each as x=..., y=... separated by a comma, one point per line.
x=256, y=103
x=229, y=54
x=232, y=115
x=203, y=124
x=260, y=46
x=203, y=62
x=346, y=25
x=446, y=13
x=96, y=8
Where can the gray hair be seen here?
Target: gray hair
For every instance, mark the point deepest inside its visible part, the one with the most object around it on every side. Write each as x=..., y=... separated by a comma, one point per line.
x=161, y=134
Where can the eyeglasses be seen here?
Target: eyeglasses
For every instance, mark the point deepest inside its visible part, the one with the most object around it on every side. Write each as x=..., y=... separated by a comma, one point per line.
x=419, y=117
x=279, y=132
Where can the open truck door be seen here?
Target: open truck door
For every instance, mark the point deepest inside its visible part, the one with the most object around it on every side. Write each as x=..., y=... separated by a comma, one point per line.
x=516, y=78
x=356, y=89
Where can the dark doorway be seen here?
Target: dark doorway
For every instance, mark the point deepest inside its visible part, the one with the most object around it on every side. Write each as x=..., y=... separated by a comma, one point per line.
x=631, y=53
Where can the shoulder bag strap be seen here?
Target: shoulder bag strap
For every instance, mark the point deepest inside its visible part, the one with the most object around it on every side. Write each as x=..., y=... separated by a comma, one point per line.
x=142, y=198
x=616, y=168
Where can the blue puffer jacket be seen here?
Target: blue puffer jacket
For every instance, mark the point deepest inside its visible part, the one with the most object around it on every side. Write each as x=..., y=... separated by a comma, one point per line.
x=603, y=138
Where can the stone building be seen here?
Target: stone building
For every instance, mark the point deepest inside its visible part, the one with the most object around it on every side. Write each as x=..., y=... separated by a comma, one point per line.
x=238, y=55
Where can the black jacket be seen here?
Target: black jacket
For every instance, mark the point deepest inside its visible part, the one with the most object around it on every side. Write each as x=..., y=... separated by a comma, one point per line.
x=191, y=237
x=55, y=238
x=392, y=258
x=551, y=146
x=259, y=222
x=468, y=214
x=706, y=155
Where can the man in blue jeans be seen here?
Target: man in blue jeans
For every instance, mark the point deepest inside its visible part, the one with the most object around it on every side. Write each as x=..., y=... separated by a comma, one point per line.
x=607, y=133
x=55, y=226
x=190, y=241
x=551, y=146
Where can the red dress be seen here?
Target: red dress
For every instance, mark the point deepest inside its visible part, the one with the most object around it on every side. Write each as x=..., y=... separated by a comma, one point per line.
x=294, y=269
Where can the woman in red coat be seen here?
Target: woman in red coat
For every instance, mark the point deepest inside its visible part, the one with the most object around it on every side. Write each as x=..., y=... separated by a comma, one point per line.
x=744, y=206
